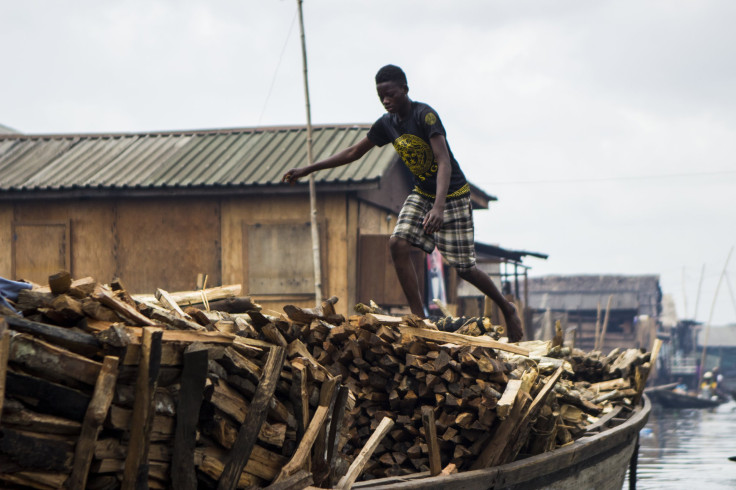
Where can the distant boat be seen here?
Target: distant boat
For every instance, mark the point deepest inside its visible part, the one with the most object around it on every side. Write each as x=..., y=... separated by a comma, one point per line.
x=667, y=398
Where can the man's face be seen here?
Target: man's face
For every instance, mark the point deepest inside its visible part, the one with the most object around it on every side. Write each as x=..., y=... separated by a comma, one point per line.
x=392, y=95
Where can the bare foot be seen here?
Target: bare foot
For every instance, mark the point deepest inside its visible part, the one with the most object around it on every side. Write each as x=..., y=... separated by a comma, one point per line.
x=513, y=323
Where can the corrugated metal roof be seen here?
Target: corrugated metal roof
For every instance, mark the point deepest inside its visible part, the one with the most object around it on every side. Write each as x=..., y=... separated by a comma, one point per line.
x=723, y=336
x=182, y=159
x=586, y=292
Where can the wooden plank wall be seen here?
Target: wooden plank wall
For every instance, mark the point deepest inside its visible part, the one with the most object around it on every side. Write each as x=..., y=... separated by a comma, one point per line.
x=152, y=243
x=92, y=243
x=239, y=213
x=165, y=243
x=146, y=243
x=6, y=225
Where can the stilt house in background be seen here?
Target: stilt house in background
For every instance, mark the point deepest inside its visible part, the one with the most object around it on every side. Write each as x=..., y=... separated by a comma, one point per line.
x=157, y=209
x=581, y=302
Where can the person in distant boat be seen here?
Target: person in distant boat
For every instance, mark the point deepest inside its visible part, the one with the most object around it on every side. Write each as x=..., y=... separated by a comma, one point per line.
x=438, y=211
x=709, y=387
x=681, y=386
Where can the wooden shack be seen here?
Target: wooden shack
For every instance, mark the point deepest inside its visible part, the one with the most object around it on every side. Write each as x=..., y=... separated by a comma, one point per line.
x=607, y=310
x=159, y=209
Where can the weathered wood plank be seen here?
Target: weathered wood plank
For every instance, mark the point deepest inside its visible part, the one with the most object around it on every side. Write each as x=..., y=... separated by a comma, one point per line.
x=17, y=416
x=4, y=356
x=508, y=398
x=36, y=451
x=193, y=378
x=257, y=411
x=262, y=465
x=495, y=447
x=333, y=437
x=93, y=419
x=47, y=397
x=430, y=434
x=186, y=298
x=136, y=467
x=459, y=339
x=301, y=455
x=301, y=480
x=107, y=298
x=328, y=397
x=79, y=342
x=346, y=482
x=51, y=362
x=169, y=302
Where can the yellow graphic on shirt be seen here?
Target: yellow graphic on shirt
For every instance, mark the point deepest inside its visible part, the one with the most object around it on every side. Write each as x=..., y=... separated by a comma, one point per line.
x=430, y=118
x=417, y=155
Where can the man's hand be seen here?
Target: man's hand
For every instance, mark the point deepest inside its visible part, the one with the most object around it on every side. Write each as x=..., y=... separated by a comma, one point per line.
x=293, y=175
x=513, y=323
x=434, y=219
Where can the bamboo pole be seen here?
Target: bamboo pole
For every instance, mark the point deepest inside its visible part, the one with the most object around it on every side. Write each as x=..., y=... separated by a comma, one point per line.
x=602, y=338
x=310, y=160
x=697, y=295
x=710, y=317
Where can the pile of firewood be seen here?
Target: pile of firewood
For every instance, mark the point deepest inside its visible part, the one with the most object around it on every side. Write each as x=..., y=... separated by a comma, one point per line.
x=102, y=391
x=465, y=402
x=202, y=389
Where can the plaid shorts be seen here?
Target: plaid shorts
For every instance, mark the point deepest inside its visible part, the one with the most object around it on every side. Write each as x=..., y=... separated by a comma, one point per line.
x=455, y=240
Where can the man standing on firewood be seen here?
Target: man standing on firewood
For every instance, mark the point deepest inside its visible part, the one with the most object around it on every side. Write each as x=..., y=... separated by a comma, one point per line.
x=438, y=211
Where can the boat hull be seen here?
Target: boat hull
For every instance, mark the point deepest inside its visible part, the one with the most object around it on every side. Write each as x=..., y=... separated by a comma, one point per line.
x=598, y=461
x=670, y=399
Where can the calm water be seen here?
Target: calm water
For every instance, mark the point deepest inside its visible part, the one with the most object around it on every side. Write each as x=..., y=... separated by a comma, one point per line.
x=688, y=449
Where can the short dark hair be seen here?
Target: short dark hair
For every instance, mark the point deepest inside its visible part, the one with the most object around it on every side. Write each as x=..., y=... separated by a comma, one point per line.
x=391, y=73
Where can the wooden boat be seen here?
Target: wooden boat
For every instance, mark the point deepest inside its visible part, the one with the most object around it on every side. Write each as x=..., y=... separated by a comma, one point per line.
x=598, y=460
x=674, y=399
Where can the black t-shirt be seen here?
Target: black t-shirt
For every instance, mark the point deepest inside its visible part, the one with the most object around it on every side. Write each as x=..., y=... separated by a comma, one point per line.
x=410, y=138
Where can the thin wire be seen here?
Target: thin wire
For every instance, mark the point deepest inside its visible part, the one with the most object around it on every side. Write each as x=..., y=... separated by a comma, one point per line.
x=611, y=179
x=276, y=70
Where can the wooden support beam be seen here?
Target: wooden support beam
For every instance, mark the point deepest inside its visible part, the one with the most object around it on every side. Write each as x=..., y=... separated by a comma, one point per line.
x=92, y=424
x=257, y=411
x=135, y=474
x=430, y=435
x=191, y=393
x=346, y=482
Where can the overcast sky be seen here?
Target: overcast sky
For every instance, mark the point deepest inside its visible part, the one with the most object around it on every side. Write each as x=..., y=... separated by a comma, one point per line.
x=606, y=128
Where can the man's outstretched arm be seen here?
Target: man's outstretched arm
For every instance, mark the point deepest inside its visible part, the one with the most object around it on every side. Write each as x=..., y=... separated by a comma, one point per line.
x=343, y=157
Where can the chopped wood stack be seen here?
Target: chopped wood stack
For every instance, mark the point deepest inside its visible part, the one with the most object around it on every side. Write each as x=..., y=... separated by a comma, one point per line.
x=203, y=390
x=101, y=391
x=489, y=401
